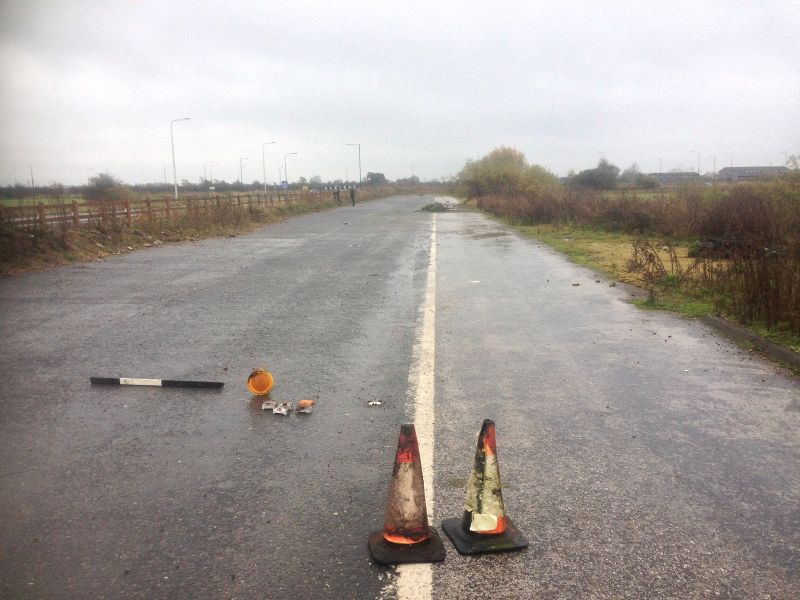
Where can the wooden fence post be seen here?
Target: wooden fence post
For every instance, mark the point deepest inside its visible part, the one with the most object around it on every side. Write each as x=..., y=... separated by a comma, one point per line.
x=166, y=201
x=40, y=214
x=76, y=218
x=149, y=206
x=128, y=213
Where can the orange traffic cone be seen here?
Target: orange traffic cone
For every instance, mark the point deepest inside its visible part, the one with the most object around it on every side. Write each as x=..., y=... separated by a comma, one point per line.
x=406, y=536
x=485, y=527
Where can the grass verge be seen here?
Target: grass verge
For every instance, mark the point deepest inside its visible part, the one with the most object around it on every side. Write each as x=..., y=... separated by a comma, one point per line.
x=609, y=253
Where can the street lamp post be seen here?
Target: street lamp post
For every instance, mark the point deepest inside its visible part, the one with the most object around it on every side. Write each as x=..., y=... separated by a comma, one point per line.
x=210, y=173
x=359, y=161
x=241, y=169
x=165, y=173
x=172, y=139
x=714, y=166
x=285, y=172
x=698, y=160
x=263, y=164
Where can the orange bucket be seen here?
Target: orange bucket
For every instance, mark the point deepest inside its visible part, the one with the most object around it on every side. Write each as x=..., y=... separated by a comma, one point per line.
x=260, y=382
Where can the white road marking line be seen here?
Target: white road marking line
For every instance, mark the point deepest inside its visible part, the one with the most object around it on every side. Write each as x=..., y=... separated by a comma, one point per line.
x=415, y=581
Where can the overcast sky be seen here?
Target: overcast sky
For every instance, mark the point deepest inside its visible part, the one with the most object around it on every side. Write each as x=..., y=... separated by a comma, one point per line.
x=93, y=86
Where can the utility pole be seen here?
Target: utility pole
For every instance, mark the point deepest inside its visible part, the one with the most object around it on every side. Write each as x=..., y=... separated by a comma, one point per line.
x=172, y=140
x=660, y=172
x=285, y=171
x=241, y=170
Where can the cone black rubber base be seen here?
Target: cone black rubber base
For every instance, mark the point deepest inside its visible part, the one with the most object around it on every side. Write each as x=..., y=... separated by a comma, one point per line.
x=471, y=543
x=387, y=553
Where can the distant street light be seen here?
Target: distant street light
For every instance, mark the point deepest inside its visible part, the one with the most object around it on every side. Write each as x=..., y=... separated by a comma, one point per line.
x=210, y=178
x=359, y=161
x=660, y=172
x=241, y=170
x=785, y=158
x=165, y=173
x=263, y=164
x=172, y=139
x=285, y=172
x=714, y=168
x=698, y=160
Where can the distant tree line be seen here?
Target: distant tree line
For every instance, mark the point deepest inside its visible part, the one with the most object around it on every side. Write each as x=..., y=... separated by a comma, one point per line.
x=107, y=185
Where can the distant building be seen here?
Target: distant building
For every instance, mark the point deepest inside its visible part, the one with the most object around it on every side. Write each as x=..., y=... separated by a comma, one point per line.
x=734, y=174
x=675, y=177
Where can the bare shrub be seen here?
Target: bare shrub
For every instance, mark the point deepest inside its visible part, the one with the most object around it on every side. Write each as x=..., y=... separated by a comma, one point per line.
x=747, y=236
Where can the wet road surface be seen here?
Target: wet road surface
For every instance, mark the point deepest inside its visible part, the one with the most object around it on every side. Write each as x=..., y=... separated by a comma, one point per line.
x=642, y=455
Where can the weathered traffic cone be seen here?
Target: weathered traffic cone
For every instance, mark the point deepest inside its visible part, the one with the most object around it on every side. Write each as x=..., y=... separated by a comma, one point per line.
x=406, y=536
x=485, y=527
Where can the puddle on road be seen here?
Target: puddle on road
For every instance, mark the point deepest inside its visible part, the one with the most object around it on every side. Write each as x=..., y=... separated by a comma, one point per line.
x=489, y=234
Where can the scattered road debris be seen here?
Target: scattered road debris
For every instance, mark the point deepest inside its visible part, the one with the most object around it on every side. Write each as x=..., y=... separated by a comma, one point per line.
x=282, y=409
x=172, y=383
x=374, y=403
x=575, y=284
x=267, y=405
x=260, y=382
x=305, y=406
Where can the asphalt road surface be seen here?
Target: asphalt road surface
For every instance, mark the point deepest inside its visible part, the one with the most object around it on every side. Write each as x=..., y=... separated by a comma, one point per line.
x=642, y=455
